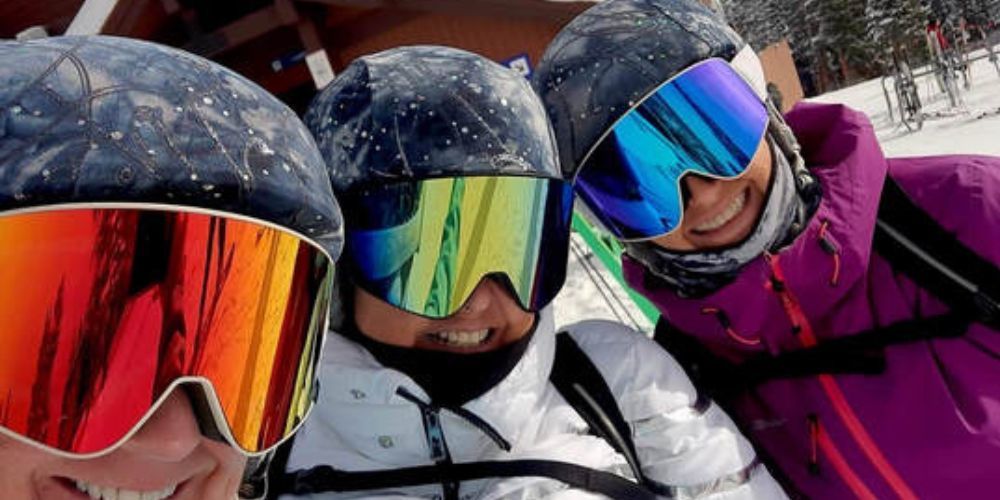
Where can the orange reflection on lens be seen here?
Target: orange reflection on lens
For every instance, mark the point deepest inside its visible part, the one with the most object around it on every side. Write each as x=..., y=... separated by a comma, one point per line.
x=106, y=308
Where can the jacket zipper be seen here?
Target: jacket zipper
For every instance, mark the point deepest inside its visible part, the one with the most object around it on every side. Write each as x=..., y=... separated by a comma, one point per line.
x=804, y=332
x=436, y=443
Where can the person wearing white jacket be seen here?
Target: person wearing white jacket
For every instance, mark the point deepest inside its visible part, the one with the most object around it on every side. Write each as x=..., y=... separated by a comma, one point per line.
x=362, y=423
x=446, y=378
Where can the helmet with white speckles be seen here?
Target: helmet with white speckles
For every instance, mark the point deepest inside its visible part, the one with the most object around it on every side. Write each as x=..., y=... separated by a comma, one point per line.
x=445, y=163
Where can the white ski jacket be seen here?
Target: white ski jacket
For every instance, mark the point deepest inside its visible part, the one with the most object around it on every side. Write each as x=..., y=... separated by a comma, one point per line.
x=361, y=423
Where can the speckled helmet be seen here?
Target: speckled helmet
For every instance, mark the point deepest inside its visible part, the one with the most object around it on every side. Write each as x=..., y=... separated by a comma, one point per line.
x=105, y=119
x=446, y=164
x=426, y=111
x=164, y=222
x=613, y=55
x=613, y=59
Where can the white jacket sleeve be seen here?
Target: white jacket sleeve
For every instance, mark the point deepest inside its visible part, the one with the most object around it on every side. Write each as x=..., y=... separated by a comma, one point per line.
x=691, y=448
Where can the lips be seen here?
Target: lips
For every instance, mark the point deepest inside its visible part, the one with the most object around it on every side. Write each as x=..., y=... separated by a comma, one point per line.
x=461, y=339
x=725, y=216
x=98, y=492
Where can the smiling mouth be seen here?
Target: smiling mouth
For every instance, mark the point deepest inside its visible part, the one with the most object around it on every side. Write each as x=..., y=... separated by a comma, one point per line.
x=722, y=218
x=98, y=492
x=461, y=339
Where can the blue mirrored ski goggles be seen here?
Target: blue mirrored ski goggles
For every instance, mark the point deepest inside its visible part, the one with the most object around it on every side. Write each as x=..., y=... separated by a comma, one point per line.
x=705, y=120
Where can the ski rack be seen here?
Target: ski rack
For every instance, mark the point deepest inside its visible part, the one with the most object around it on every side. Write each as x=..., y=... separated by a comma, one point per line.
x=609, y=251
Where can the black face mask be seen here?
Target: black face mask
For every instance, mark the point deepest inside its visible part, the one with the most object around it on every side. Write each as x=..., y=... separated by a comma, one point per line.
x=451, y=379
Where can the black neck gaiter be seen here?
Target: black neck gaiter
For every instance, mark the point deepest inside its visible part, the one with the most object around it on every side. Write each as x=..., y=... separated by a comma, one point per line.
x=450, y=379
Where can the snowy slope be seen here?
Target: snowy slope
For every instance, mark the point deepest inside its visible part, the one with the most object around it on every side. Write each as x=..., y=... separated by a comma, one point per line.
x=961, y=133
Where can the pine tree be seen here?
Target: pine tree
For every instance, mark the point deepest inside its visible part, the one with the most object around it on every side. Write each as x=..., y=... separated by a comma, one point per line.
x=897, y=26
x=841, y=34
x=976, y=11
x=830, y=36
x=993, y=8
x=759, y=22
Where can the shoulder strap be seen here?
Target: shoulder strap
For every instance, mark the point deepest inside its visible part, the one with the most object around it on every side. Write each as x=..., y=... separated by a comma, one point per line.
x=860, y=353
x=915, y=244
x=276, y=480
x=584, y=388
x=324, y=478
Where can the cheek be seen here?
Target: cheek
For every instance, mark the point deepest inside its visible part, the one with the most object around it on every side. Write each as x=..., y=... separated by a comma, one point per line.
x=384, y=323
x=19, y=465
x=761, y=170
x=222, y=481
x=517, y=321
x=675, y=241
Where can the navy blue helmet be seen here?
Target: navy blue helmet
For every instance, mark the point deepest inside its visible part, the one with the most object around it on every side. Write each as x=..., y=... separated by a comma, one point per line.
x=426, y=111
x=104, y=119
x=613, y=55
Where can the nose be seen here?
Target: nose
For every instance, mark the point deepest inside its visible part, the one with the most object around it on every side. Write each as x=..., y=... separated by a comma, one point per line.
x=170, y=435
x=482, y=298
x=702, y=192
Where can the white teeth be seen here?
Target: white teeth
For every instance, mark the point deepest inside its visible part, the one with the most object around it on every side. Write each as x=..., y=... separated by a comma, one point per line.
x=461, y=339
x=108, y=493
x=725, y=216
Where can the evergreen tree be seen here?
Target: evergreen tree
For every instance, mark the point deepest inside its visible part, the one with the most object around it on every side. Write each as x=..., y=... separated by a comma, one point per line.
x=831, y=36
x=841, y=34
x=759, y=22
x=977, y=11
x=897, y=26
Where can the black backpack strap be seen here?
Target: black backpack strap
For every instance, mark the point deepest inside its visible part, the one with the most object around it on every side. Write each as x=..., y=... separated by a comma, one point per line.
x=711, y=375
x=916, y=244
x=584, y=388
x=324, y=478
x=277, y=481
x=857, y=353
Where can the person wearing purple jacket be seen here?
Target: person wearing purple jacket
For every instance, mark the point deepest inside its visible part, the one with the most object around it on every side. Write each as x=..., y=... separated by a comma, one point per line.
x=763, y=241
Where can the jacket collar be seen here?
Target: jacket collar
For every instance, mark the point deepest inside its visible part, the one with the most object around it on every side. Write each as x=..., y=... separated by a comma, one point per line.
x=356, y=388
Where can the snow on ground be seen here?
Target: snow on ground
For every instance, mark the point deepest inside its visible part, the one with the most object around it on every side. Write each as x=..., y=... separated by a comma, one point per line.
x=592, y=292
x=961, y=131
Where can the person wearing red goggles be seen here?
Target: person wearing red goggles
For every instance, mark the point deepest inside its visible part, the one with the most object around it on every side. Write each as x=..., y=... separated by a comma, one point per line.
x=168, y=242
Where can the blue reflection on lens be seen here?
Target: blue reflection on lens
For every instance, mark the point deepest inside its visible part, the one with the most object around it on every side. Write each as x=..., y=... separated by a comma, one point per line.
x=705, y=121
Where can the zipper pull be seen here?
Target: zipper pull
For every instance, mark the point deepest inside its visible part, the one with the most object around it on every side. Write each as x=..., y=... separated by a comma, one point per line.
x=813, y=422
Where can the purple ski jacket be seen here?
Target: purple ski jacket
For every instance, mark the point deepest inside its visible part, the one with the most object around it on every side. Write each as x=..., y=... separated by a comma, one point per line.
x=929, y=425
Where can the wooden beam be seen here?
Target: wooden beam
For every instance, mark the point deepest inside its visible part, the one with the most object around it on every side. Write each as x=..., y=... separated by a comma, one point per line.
x=136, y=18
x=243, y=30
x=92, y=17
x=171, y=7
x=534, y=9
x=286, y=11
